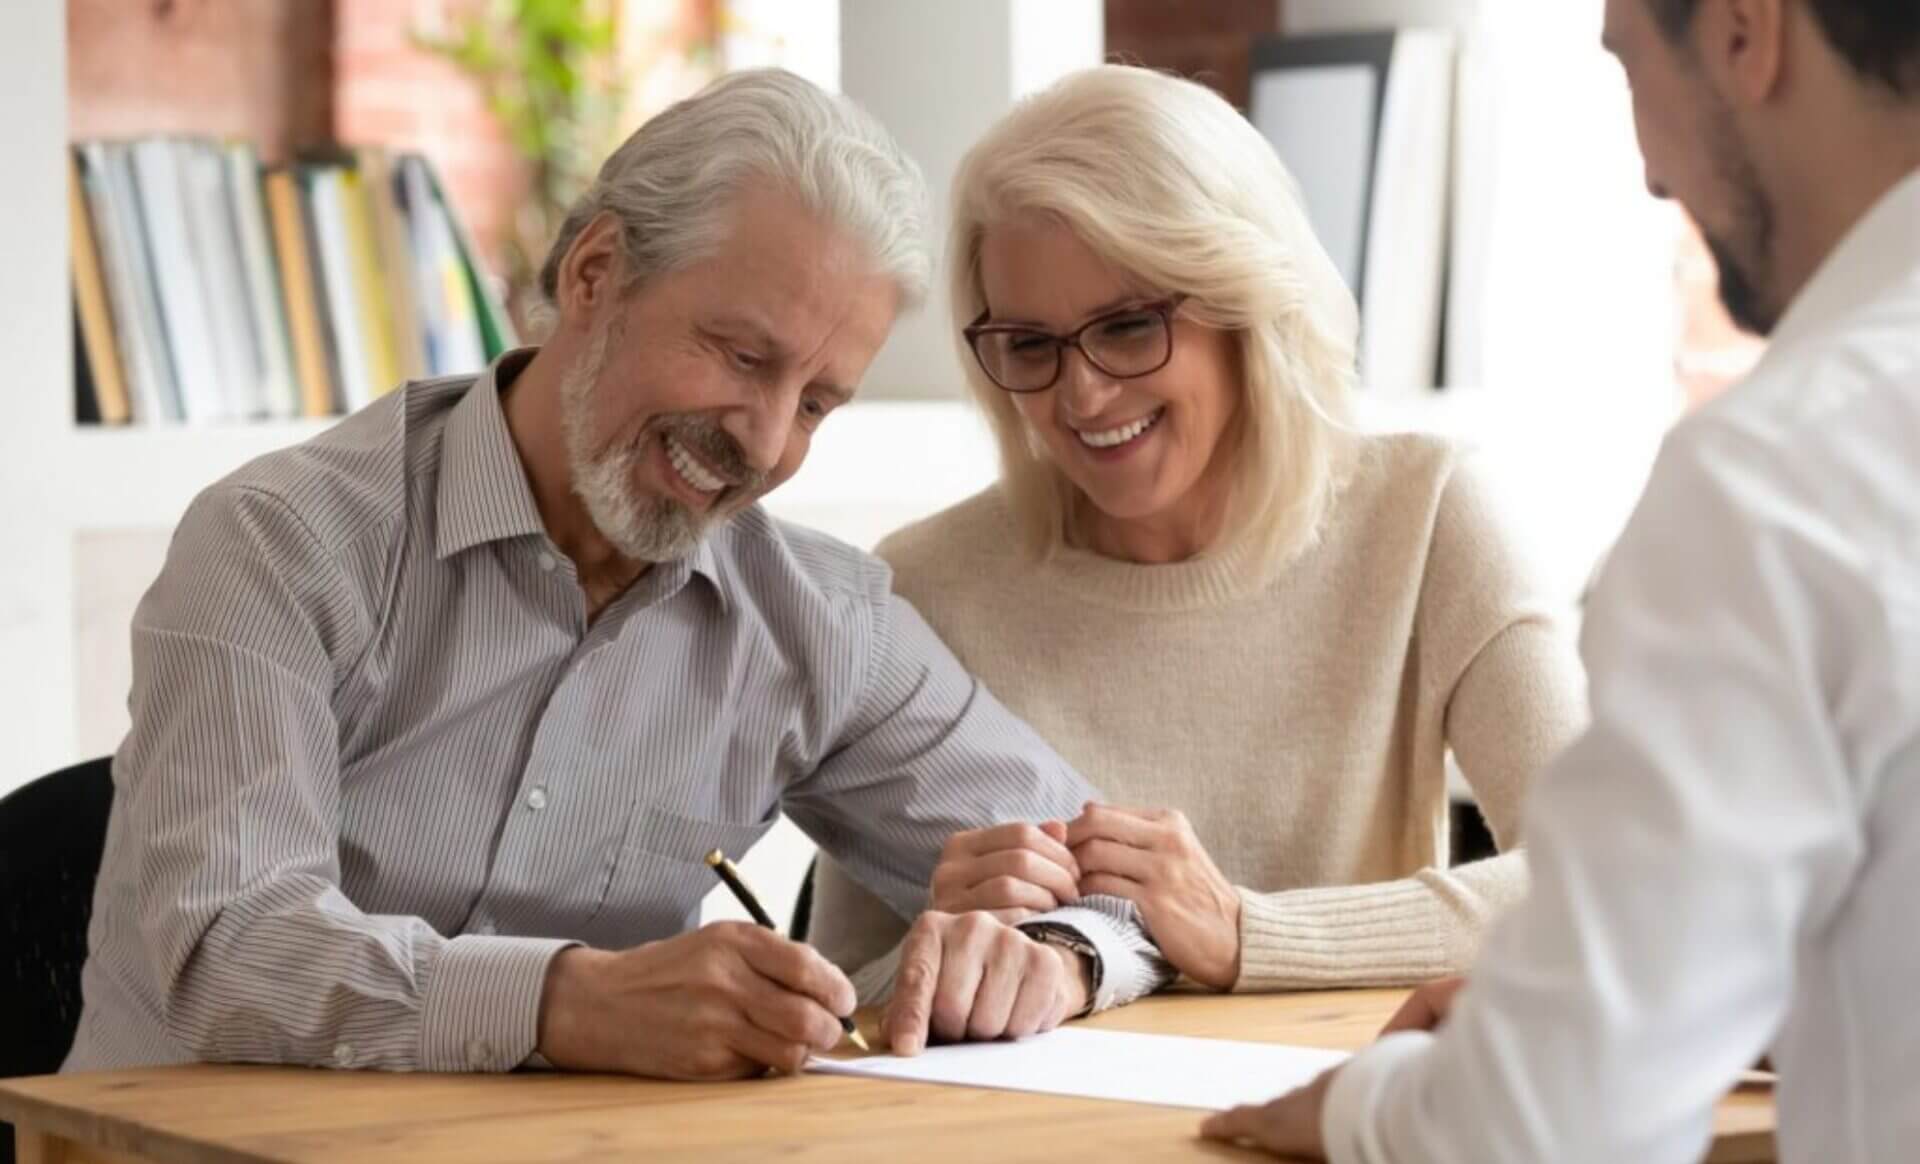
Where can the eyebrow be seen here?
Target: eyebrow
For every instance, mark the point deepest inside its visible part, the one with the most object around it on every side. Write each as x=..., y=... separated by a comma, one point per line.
x=1134, y=299
x=752, y=330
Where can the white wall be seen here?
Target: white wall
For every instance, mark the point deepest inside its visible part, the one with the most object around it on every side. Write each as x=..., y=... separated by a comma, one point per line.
x=36, y=571
x=938, y=73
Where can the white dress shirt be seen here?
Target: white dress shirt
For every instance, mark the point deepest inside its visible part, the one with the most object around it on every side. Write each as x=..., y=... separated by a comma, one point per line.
x=1728, y=863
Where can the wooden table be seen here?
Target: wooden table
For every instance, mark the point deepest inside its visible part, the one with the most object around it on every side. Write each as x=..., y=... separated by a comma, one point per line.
x=248, y=1114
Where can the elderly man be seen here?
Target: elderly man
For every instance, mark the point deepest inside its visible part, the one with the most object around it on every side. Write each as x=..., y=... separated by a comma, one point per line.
x=435, y=715
x=1727, y=863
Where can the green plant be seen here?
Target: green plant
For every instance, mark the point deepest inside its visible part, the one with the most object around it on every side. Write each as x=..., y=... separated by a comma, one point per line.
x=547, y=70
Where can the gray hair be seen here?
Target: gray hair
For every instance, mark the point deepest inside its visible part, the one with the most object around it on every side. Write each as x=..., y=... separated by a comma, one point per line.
x=671, y=183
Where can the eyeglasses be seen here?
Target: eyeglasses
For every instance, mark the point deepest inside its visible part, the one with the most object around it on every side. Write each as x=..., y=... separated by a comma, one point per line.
x=1124, y=344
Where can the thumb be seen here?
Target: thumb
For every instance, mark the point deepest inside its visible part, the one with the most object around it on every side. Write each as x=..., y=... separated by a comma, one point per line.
x=1057, y=829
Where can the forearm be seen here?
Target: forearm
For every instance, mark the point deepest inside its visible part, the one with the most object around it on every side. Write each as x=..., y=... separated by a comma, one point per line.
x=1390, y=933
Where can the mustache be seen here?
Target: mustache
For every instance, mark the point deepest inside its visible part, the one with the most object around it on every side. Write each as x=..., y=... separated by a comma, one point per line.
x=720, y=452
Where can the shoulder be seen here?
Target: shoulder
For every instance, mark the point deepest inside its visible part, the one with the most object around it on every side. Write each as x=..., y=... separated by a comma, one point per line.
x=774, y=563
x=1829, y=425
x=971, y=543
x=352, y=481
x=1416, y=487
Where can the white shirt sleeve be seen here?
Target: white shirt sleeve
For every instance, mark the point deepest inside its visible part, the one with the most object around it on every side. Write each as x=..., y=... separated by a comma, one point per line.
x=1680, y=849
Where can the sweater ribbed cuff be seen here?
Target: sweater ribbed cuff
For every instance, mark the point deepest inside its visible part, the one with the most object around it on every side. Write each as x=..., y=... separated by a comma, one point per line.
x=1360, y=935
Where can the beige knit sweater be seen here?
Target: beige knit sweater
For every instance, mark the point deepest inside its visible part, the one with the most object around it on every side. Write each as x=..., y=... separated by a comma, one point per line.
x=1303, y=728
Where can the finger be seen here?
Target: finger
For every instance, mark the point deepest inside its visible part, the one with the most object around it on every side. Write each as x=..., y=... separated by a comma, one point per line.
x=1103, y=856
x=1001, y=893
x=1057, y=829
x=1114, y=885
x=1103, y=821
x=766, y=1049
x=1233, y=1124
x=914, y=983
x=1271, y=1126
x=1016, y=835
x=1009, y=917
x=790, y=1017
x=1426, y=1008
x=798, y=968
x=1020, y=865
x=1041, y=1002
x=962, y=964
x=1000, y=985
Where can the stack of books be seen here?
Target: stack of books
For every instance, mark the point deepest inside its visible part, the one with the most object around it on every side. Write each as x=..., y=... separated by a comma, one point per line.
x=207, y=289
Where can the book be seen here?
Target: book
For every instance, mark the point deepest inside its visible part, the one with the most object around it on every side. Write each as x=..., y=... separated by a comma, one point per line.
x=369, y=283
x=278, y=392
x=496, y=327
x=380, y=179
x=333, y=252
x=207, y=290
x=298, y=289
x=144, y=353
x=451, y=318
x=183, y=307
x=93, y=317
x=213, y=237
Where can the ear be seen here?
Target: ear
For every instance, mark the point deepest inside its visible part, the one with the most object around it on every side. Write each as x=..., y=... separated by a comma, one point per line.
x=591, y=271
x=1742, y=46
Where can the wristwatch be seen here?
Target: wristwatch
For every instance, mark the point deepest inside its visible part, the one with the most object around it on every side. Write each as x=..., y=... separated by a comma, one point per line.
x=1055, y=934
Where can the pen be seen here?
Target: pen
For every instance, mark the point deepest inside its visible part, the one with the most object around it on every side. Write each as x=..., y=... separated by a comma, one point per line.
x=718, y=861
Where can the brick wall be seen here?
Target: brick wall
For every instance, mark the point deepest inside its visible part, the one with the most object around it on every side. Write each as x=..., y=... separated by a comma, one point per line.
x=387, y=91
x=1207, y=40
x=258, y=70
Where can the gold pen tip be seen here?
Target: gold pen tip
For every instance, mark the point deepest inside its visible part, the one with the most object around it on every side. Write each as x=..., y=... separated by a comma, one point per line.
x=860, y=1041
x=716, y=858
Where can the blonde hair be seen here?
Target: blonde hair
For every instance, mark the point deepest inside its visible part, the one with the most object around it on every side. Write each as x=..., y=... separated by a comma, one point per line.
x=1166, y=181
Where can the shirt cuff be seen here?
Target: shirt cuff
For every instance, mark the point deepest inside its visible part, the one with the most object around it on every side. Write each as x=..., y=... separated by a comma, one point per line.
x=1130, y=966
x=482, y=1006
x=1350, y=1122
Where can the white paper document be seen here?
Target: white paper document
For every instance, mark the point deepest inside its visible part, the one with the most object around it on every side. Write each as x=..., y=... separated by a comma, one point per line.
x=1170, y=1070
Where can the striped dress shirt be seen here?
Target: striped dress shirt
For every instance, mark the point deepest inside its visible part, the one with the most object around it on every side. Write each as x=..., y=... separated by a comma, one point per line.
x=383, y=766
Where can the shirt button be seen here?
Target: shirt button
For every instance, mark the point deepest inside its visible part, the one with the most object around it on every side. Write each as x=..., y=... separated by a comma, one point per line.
x=343, y=1055
x=479, y=1053
x=537, y=798
x=548, y=562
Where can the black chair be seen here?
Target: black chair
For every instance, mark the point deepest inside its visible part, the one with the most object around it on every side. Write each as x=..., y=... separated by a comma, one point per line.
x=51, y=835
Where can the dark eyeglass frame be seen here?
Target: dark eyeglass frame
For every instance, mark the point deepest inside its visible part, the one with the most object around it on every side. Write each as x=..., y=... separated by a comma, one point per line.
x=1164, y=308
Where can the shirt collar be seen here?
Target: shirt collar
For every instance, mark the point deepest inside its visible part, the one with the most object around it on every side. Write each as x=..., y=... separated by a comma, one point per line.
x=1882, y=249
x=483, y=495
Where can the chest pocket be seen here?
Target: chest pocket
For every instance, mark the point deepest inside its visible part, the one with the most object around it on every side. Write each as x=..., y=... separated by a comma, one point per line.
x=660, y=874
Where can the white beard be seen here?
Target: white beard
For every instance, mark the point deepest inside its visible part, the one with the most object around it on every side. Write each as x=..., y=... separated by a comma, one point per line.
x=643, y=528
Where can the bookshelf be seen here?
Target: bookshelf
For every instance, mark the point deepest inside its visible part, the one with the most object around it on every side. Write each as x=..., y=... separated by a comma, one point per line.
x=87, y=69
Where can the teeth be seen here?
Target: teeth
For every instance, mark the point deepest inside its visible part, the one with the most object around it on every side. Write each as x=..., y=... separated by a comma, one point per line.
x=691, y=470
x=1115, y=437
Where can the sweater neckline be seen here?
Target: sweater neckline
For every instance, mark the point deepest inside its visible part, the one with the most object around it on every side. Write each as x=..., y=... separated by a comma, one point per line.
x=1207, y=580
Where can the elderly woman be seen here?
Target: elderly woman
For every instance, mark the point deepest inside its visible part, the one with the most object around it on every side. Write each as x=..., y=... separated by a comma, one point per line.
x=1199, y=585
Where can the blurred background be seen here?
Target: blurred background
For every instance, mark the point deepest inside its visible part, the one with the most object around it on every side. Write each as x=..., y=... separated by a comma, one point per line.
x=310, y=200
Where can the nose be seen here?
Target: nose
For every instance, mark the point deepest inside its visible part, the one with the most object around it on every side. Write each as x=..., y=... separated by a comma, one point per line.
x=1084, y=389
x=761, y=428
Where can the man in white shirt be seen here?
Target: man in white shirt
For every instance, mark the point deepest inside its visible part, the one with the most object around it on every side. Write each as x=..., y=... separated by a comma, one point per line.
x=1728, y=863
